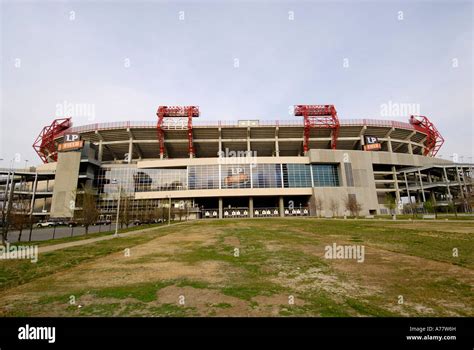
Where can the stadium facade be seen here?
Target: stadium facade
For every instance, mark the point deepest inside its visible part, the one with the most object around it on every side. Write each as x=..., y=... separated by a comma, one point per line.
x=312, y=165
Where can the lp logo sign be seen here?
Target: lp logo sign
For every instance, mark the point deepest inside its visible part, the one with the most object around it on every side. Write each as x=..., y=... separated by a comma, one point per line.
x=71, y=137
x=371, y=140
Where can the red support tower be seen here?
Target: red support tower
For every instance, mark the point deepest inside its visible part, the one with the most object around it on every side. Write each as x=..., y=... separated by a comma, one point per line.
x=434, y=140
x=44, y=144
x=318, y=116
x=189, y=112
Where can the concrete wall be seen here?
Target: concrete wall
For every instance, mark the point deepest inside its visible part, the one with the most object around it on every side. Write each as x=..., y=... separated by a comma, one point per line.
x=235, y=192
x=361, y=162
x=164, y=163
x=363, y=180
x=65, y=184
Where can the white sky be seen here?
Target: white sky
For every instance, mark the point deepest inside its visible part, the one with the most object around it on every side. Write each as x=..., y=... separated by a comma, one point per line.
x=282, y=62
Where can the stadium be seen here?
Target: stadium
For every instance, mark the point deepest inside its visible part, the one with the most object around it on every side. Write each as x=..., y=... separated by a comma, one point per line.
x=313, y=165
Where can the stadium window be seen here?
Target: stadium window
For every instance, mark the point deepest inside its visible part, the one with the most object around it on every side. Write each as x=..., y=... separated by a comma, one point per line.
x=325, y=175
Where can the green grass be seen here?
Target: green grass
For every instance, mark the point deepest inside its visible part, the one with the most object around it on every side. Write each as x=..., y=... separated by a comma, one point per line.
x=17, y=272
x=277, y=258
x=441, y=216
x=144, y=292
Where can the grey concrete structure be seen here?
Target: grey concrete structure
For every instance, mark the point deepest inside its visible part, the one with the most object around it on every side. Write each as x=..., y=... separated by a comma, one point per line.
x=242, y=169
x=65, y=184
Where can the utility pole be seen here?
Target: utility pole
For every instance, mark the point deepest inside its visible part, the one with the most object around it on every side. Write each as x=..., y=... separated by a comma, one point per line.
x=114, y=181
x=169, y=211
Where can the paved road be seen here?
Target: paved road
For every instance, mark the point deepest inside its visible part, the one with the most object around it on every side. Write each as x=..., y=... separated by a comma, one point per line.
x=42, y=234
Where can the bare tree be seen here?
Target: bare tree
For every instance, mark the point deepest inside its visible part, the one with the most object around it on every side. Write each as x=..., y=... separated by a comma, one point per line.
x=125, y=212
x=390, y=203
x=411, y=208
x=318, y=205
x=452, y=208
x=89, y=213
x=4, y=226
x=19, y=221
x=430, y=207
x=352, y=205
x=334, y=207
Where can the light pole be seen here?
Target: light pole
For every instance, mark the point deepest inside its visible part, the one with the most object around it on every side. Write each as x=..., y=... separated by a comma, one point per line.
x=114, y=181
x=169, y=211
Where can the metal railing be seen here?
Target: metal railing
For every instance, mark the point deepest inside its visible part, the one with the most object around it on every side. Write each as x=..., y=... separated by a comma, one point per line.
x=243, y=212
x=233, y=123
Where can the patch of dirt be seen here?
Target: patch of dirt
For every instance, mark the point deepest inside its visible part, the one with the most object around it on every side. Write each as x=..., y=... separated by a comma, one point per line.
x=315, y=279
x=232, y=241
x=278, y=299
x=205, y=301
x=116, y=269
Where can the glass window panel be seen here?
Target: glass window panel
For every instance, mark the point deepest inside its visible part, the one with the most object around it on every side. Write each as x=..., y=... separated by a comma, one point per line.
x=325, y=175
x=235, y=176
x=266, y=176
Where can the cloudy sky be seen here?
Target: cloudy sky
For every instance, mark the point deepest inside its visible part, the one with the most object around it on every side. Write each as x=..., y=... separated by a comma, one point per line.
x=119, y=60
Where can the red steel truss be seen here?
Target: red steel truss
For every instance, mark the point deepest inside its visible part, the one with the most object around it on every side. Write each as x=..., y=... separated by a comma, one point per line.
x=318, y=116
x=434, y=140
x=177, y=112
x=44, y=144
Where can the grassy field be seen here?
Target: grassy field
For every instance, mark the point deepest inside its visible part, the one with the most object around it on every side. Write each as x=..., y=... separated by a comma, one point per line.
x=254, y=267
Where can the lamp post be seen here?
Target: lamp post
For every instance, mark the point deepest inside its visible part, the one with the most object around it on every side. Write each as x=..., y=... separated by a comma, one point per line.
x=114, y=181
x=169, y=210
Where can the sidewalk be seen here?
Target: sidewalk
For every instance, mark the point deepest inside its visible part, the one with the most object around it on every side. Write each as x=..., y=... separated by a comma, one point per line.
x=53, y=247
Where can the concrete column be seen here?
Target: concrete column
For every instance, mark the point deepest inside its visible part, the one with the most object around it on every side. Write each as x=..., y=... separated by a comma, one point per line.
x=251, y=207
x=389, y=144
x=277, y=144
x=221, y=205
x=433, y=198
x=220, y=140
x=6, y=193
x=10, y=197
x=408, y=190
x=459, y=182
x=248, y=139
x=130, y=150
x=397, y=189
x=33, y=195
x=410, y=148
x=101, y=151
x=445, y=176
x=421, y=185
x=282, y=207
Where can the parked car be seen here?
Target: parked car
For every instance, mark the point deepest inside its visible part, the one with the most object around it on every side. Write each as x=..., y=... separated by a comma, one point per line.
x=58, y=222
x=103, y=222
x=71, y=223
x=46, y=223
